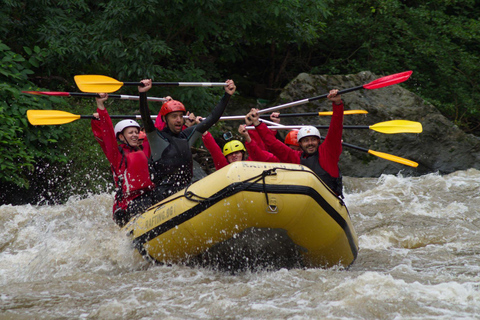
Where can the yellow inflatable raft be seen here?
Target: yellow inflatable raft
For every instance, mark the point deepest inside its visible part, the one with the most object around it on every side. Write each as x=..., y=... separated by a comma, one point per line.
x=275, y=199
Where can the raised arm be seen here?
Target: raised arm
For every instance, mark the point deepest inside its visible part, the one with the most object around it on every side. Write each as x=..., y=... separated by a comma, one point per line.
x=144, y=110
x=219, y=159
x=219, y=108
x=278, y=148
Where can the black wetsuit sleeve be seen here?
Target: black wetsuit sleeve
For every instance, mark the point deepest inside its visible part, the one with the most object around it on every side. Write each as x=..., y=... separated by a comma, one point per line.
x=215, y=115
x=145, y=113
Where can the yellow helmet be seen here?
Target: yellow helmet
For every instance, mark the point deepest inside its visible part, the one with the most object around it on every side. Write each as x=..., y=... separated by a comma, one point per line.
x=233, y=146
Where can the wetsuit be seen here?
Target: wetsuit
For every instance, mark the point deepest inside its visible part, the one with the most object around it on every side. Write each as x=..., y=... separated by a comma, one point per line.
x=171, y=161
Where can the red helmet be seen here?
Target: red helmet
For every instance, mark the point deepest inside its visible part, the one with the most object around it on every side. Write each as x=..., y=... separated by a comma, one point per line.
x=291, y=138
x=172, y=106
x=141, y=135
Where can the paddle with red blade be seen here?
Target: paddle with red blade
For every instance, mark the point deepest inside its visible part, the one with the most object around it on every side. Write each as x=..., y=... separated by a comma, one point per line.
x=94, y=95
x=375, y=84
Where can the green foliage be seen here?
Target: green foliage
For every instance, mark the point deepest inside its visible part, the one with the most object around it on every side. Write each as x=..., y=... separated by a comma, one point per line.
x=261, y=44
x=179, y=40
x=438, y=40
x=22, y=145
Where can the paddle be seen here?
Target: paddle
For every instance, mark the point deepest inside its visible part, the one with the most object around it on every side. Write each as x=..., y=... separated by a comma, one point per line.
x=99, y=83
x=54, y=117
x=305, y=114
x=375, y=84
x=388, y=127
x=95, y=95
x=383, y=155
x=372, y=152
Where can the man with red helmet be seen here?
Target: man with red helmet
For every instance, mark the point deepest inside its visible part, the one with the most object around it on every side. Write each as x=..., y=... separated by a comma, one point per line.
x=171, y=161
x=322, y=158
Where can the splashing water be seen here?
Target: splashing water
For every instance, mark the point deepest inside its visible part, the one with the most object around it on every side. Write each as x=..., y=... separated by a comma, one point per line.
x=419, y=241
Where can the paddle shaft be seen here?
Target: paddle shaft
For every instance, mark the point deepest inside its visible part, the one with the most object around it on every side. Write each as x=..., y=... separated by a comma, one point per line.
x=293, y=115
x=304, y=101
x=114, y=96
x=179, y=84
x=282, y=127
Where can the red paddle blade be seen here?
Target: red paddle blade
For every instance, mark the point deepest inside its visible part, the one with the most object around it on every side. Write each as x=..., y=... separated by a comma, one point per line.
x=388, y=80
x=38, y=93
x=49, y=93
x=55, y=93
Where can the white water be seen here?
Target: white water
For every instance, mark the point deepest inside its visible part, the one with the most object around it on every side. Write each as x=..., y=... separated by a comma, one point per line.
x=418, y=259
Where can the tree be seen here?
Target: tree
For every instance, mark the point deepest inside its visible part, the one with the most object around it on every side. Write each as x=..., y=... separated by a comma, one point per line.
x=438, y=40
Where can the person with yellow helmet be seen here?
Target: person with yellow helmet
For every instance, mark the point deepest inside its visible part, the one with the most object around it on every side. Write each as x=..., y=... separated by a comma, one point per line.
x=235, y=150
x=322, y=158
x=171, y=160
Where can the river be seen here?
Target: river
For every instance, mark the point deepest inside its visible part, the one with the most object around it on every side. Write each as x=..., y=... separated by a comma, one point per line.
x=419, y=259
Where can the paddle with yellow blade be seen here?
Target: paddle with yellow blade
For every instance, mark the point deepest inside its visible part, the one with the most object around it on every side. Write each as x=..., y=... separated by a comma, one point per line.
x=383, y=155
x=94, y=95
x=375, y=84
x=305, y=114
x=99, y=83
x=388, y=127
x=54, y=117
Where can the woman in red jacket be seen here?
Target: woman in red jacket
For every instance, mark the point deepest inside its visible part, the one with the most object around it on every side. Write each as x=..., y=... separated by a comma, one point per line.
x=129, y=163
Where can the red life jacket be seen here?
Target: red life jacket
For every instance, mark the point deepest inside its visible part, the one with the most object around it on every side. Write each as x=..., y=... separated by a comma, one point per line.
x=135, y=178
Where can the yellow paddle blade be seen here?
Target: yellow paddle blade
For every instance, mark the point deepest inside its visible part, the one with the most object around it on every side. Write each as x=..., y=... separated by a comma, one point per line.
x=398, y=126
x=394, y=158
x=329, y=113
x=97, y=83
x=50, y=117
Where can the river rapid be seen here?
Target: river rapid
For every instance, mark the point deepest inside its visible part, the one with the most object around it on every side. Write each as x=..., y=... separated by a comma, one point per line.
x=419, y=259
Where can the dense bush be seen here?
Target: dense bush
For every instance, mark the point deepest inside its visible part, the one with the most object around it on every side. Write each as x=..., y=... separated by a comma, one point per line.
x=261, y=44
x=22, y=145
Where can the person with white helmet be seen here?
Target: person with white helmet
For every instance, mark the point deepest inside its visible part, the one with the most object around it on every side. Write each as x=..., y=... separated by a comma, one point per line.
x=322, y=158
x=171, y=160
x=129, y=163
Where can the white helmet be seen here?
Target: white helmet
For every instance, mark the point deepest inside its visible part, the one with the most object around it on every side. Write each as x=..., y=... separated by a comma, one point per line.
x=119, y=127
x=307, y=131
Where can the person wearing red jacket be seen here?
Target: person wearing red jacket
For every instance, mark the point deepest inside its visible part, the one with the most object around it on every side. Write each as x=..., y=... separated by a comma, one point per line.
x=129, y=163
x=235, y=150
x=321, y=158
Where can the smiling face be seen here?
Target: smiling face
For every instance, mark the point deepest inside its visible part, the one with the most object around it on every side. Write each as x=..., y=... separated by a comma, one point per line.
x=309, y=144
x=175, y=121
x=234, y=156
x=129, y=136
